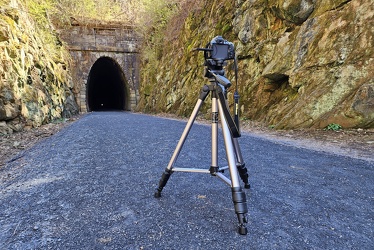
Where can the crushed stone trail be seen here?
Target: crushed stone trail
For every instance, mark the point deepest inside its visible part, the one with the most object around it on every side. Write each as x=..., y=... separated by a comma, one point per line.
x=91, y=186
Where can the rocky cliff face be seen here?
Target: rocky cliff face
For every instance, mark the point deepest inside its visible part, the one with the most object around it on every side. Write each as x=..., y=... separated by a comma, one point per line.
x=302, y=63
x=35, y=85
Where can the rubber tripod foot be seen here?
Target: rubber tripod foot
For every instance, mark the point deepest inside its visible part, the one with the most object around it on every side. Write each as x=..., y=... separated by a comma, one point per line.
x=242, y=230
x=157, y=194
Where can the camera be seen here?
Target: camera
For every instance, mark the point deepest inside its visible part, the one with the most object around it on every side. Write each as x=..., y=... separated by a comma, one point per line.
x=220, y=49
x=217, y=52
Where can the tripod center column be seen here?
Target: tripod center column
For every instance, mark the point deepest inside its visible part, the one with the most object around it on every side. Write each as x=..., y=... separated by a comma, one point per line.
x=214, y=165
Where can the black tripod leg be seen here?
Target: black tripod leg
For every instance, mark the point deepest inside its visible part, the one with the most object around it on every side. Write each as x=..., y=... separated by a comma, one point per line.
x=169, y=169
x=243, y=172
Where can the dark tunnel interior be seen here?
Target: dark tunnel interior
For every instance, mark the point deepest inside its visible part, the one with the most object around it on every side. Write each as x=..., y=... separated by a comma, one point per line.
x=106, y=86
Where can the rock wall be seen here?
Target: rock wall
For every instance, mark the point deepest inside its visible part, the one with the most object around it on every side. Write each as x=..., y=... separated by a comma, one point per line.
x=35, y=83
x=302, y=63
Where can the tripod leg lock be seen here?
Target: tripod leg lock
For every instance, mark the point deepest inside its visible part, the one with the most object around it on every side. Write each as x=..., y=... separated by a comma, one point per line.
x=241, y=210
x=164, y=179
x=213, y=170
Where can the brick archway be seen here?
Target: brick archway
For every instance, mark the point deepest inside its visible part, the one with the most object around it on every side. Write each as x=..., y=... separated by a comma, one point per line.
x=107, y=87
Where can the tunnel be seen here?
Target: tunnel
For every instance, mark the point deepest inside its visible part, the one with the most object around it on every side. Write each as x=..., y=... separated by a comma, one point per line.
x=106, y=86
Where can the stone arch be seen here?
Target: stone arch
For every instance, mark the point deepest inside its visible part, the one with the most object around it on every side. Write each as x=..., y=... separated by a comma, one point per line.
x=107, y=87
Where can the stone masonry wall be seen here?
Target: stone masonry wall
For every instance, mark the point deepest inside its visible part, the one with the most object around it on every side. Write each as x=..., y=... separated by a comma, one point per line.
x=88, y=42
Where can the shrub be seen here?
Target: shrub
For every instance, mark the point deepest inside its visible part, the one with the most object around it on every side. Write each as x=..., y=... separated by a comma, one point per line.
x=333, y=127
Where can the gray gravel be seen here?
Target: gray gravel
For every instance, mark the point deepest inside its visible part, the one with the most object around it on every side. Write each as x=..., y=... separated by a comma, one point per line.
x=91, y=186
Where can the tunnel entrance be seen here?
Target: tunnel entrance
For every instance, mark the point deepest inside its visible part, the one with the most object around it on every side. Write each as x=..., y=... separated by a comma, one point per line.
x=106, y=86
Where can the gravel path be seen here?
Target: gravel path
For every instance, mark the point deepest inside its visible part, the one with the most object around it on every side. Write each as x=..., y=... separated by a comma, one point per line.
x=91, y=187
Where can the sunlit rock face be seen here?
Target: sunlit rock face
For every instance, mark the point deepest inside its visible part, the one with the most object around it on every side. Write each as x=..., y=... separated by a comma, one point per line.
x=35, y=83
x=302, y=63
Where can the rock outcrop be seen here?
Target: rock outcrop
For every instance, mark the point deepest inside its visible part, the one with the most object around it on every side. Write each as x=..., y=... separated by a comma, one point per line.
x=35, y=83
x=302, y=63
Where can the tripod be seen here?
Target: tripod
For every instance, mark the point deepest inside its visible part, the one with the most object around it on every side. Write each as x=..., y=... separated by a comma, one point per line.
x=218, y=86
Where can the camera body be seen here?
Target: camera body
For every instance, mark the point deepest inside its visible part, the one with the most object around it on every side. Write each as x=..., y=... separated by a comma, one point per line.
x=220, y=50
x=215, y=54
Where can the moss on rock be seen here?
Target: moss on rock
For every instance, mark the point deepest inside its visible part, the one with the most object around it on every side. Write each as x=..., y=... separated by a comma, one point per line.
x=301, y=63
x=35, y=68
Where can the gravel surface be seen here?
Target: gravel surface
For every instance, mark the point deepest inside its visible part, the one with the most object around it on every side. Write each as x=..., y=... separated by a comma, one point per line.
x=91, y=186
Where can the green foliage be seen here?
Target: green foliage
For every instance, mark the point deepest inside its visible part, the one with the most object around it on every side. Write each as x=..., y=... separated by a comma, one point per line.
x=40, y=10
x=333, y=127
x=60, y=11
x=100, y=10
x=151, y=20
x=152, y=12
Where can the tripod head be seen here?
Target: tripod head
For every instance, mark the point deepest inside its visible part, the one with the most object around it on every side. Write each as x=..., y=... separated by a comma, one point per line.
x=216, y=53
